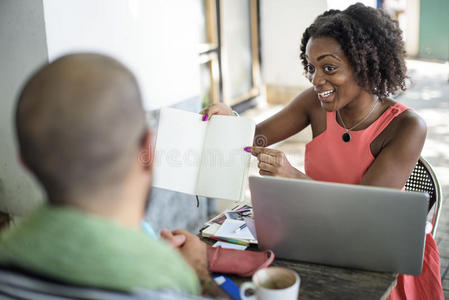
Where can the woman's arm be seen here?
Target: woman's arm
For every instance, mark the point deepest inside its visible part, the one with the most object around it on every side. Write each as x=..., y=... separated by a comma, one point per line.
x=290, y=120
x=397, y=158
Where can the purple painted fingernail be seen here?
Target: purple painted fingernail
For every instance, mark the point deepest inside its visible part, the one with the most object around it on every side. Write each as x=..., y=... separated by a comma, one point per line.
x=205, y=117
x=247, y=149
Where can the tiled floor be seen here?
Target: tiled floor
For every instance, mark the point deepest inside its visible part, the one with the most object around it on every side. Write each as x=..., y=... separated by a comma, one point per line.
x=428, y=94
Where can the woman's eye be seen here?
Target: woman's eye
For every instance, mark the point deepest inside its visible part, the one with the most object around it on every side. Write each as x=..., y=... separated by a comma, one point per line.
x=329, y=69
x=310, y=69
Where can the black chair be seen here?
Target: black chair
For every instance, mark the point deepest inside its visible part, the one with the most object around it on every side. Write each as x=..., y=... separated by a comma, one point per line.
x=424, y=179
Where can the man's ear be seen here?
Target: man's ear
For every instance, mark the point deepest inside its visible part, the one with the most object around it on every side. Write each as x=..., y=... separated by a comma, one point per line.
x=147, y=150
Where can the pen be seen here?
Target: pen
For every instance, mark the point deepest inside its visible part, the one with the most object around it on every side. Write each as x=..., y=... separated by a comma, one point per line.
x=240, y=228
x=243, y=210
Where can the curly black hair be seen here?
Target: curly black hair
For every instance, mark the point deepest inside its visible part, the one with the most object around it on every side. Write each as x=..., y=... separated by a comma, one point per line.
x=372, y=42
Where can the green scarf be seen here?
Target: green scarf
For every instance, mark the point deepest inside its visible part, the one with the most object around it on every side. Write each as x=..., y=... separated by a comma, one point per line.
x=88, y=250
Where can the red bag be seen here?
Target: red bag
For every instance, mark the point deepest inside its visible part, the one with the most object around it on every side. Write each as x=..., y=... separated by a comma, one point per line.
x=239, y=262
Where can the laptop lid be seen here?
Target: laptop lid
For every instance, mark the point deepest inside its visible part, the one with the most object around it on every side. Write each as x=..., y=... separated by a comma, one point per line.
x=344, y=225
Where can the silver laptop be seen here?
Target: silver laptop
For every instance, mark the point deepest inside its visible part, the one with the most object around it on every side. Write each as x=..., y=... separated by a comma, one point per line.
x=344, y=225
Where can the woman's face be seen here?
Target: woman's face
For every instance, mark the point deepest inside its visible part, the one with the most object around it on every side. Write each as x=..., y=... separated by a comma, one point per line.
x=330, y=73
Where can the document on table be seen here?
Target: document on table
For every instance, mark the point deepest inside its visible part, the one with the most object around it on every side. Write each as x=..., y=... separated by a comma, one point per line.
x=226, y=245
x=227, y=230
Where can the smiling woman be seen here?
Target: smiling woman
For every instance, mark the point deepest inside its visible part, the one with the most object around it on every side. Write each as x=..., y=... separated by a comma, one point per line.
x=355, y=61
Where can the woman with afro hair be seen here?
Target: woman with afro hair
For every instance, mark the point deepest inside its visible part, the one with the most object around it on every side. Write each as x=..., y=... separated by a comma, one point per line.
x=355, y=61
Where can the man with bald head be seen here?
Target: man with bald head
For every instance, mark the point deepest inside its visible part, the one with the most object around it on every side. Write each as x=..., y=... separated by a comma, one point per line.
x=81, y=131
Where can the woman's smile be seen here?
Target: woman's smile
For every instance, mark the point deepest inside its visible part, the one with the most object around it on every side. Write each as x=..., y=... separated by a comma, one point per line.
x=326, y=96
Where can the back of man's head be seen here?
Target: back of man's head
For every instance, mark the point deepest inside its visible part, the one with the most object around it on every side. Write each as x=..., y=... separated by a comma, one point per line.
x=79, y=123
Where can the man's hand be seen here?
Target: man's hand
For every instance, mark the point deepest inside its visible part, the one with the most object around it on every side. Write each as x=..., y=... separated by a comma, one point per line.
x=175, y=241
x=274, y=163
x=194, y=252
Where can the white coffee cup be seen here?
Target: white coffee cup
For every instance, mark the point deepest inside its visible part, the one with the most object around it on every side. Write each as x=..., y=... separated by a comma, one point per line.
x=272, y=283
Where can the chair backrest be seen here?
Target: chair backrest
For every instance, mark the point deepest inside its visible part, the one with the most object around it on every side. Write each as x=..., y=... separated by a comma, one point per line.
x=424, y=179
x=17, y=283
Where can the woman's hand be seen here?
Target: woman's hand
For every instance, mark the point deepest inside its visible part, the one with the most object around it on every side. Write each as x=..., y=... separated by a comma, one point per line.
x=274, y=163
x=216, y=109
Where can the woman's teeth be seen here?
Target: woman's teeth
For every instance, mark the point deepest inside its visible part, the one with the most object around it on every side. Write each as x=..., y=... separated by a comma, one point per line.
x=326, y=94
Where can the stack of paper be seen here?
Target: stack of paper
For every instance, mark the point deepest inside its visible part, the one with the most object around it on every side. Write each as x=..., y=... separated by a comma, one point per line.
x=234, y=226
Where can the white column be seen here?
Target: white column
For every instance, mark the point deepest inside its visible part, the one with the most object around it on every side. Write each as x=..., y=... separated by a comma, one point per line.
x=22, y=49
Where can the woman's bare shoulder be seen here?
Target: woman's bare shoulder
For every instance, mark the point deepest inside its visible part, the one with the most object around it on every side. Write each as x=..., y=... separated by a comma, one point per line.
x=410, y=122
x=307, y=104
x=408, y=125
x=307, y=100
x=396, y=151
x=307, y=96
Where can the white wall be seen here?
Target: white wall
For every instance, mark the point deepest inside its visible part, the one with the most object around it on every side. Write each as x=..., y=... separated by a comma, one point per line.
x=236, y=48
x=157, y=39
x=22, y=50
x=343, y=4
x=411, y=28
x=282, y=25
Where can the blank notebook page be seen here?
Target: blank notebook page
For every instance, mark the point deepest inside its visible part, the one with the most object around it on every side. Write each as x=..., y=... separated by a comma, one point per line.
x=224, y=163
x=179, y=145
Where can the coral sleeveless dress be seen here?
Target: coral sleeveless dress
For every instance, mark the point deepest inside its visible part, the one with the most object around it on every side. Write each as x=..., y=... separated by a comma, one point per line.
x=329, y=158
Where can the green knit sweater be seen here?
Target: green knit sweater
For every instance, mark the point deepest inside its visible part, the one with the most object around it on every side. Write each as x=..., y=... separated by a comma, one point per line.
x=88, y=250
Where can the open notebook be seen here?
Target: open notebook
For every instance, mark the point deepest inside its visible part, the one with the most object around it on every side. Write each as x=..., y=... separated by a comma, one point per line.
x=202, y=158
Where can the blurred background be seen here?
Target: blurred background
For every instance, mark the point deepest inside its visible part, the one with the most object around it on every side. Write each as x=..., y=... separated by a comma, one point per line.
x=191, y=53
